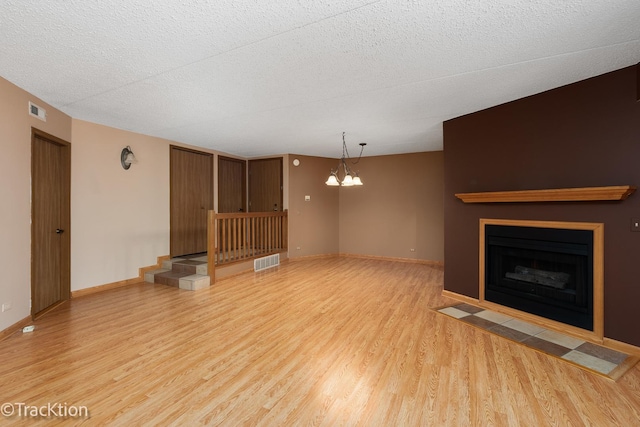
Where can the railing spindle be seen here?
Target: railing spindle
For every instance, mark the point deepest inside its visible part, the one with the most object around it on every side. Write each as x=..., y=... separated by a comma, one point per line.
x=243, y=236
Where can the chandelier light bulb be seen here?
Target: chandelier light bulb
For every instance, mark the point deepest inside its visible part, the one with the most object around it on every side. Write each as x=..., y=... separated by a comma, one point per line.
x=332, y=180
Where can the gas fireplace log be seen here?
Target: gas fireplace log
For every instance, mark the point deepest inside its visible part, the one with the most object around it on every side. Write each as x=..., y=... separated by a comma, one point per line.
x=536, y=279
x=553, y=279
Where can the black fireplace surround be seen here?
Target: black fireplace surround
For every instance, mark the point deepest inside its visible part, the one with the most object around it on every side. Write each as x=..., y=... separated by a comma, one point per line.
x=543, y=271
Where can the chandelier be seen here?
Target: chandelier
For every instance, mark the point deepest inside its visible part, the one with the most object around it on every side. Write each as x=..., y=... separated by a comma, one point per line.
x=349, y=178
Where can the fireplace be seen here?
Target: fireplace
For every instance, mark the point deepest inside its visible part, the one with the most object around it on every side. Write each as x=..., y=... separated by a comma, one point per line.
x=551, y=270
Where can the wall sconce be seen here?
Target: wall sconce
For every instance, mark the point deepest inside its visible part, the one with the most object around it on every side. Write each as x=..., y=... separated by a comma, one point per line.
x=127, y=157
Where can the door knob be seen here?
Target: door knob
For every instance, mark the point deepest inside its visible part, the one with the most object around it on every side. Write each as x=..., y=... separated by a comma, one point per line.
x=59, y=231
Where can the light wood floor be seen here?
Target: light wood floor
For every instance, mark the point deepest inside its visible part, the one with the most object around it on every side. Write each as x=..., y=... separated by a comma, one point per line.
x=319, y=342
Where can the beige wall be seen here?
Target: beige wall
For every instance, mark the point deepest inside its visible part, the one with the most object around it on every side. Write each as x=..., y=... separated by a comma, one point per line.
x=15, y=189
x=119, y=218
x=313, y=225
x=399, y=208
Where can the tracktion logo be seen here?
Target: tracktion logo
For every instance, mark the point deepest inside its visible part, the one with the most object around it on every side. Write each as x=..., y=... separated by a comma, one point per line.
x=50, y=410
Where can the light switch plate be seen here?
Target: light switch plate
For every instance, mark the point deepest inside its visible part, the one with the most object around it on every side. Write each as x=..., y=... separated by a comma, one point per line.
x=635, y=224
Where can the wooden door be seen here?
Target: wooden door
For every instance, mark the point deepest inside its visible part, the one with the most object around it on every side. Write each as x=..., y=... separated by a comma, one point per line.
x=265, y=185
x=191, y=197
x=50, y=222
x=231, y=185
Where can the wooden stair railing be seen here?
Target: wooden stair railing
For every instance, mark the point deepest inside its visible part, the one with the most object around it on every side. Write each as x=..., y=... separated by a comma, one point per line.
x=235, y=237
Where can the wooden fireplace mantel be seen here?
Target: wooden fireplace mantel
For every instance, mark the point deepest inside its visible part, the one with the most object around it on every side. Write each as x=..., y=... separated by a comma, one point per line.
x=585, y=194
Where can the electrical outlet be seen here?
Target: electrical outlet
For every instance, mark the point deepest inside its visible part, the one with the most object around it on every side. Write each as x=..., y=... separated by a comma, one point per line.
x=635, y=224
x=6, y=306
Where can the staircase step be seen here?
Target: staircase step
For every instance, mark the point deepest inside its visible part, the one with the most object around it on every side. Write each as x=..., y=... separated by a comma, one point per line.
x=187, y=272
x=168, y=264
x=149, y=276
x=189, y=266
x=169, y=278
x=194, y=282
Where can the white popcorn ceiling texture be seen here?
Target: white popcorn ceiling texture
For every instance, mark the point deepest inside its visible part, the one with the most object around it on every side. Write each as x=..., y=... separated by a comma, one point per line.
x=254, y=78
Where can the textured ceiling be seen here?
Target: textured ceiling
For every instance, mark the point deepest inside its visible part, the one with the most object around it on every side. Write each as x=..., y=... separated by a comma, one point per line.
x=254, y=78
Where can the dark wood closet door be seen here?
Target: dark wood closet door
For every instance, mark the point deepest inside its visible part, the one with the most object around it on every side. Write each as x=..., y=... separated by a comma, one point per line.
x=50, y=221
x=231, y=185
x=265, y=185
x=191, y=197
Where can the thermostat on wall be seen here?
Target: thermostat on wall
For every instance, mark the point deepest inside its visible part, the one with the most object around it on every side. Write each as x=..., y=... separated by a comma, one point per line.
x=296, y=162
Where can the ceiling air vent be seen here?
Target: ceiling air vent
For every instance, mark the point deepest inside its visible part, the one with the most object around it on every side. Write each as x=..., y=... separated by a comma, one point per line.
x=38, y=112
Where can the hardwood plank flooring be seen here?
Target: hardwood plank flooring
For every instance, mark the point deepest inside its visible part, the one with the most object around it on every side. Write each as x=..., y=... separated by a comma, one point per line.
x=333, y=341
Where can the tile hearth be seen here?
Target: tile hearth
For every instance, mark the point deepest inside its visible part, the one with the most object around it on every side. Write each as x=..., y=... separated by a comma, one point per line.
x=592, y=357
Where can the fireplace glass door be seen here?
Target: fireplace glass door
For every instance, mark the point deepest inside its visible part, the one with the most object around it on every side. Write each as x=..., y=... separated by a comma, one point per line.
x=543, y=271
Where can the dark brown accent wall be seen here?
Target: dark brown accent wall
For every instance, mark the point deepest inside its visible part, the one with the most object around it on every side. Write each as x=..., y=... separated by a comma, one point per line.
x=638, y=82
x=579, y=135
